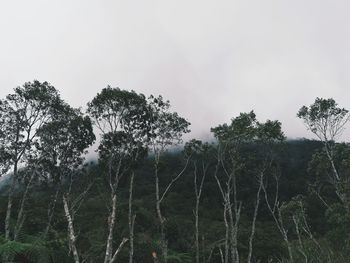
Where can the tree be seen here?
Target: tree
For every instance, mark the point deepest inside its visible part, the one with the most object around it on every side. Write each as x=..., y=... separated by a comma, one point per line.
x=22, y=114
x=243, y=131
x=166, y=129
x=269, y=136
x=230, y=137
x=121, y=117
x=60, y=147
x=327, y=121
x=201, y=159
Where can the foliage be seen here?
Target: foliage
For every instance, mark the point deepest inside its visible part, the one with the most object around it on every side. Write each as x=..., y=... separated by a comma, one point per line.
x=44, y=137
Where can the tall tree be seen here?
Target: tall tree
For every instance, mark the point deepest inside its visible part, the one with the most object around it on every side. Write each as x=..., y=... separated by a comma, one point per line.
x=22, y=114
x=121, y=117
x=230, y=138
x=60, y=147
x=166, y=129
x=243, y=131
x=327, y=121
x=268, y=137
x=201, y=159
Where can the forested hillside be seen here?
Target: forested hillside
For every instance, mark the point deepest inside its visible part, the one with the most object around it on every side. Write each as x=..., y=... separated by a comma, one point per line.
x=249, y=195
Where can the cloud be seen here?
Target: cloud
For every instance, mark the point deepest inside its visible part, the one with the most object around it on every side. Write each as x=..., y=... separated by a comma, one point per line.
x=212, y=59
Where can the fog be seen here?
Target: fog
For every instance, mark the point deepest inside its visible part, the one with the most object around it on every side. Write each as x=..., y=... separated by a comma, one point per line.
x=211, y=59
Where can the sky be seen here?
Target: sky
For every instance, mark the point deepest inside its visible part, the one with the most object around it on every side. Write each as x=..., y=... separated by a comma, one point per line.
x=211, y=59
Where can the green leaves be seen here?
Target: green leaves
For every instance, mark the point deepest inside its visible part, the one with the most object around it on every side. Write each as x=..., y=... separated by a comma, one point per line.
x=134, y=121
x=22, y=114
x=39, y=127
x=269, y=132
x=242, y=128
x=113, y=109
x=32, y=249
x=198, y=150
x=245, y=128
x=120, y=145
x=64, y=139
x=177, y=257
x=166, y=128
x=324, y=118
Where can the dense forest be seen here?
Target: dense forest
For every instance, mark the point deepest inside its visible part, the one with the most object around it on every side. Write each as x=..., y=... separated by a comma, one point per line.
x=249, y=195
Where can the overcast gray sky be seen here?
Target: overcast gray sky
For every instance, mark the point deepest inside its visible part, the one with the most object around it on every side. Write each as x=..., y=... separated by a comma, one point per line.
x=211, y=59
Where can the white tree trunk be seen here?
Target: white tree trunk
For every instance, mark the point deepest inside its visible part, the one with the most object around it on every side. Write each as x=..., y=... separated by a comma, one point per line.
x=111, y=223
x=121, y=245
x=256, y=209
x=10, y=202
x=197, y=229
x=198, y=191
x=131, y=220
x=71, y=233
x=159, y=198
x=227, y=234
x=20, y=216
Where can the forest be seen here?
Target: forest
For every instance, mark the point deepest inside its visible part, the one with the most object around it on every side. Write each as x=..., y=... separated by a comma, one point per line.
x=148, y=196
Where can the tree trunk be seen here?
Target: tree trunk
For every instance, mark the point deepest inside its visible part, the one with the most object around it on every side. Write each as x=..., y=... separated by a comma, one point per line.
x=285, y=235
x=10, y=202
x=227, y=235
x=198, y=193
x=197, y=229
x=278, y=218
x=163, y=241
x=233, y=233
x=233, y=221
x=20, y=216
x=71, y=234
x=330, y=158
x=111, y=223
x=121, y=245
x=256, y=209
x=131, y=220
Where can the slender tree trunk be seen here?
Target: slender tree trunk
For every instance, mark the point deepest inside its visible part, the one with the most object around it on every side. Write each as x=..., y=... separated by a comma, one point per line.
x=227, y=232
x=285, y=237
x=256, y=209
x=340, y=192
x=330, y=158
x=20, y=216
x=227, y=206
x=301, y=245
x=283, y=231
x=116, y=253
x=290, y=252
x=111, y=223
x=278, y=218
x=71, y=233
x=131, y=219
x=164, y=243
x=238, y=215
x=234, y=232
x=223, y=260
x=159, y=198
x=209, y=257
x=197, y=229
x=198, y=191
x=10, y=202
x=233, y=221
